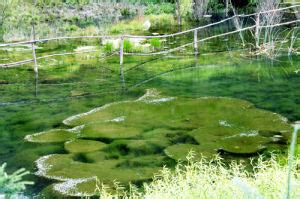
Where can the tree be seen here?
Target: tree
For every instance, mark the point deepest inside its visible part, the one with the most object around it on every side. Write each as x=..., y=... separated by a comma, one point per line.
x=199, y=8
x=178, y=12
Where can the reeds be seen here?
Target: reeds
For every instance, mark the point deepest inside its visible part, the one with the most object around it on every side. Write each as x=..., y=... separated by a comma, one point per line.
x=214, y=179
x=265, y=38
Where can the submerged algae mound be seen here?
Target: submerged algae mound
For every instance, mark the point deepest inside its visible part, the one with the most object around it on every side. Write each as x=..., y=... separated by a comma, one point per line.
x=131, y=140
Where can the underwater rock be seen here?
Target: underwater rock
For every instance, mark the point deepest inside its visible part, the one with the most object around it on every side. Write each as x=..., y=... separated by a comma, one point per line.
x=130, y=140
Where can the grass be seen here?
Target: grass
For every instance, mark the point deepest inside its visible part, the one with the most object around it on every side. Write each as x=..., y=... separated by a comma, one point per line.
x=213, y=179
x=136, y=25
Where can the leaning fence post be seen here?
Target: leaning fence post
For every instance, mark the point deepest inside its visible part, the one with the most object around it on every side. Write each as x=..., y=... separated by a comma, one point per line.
x=34, y=58
x=257, y=23
x=121, y=50
x=196, y=41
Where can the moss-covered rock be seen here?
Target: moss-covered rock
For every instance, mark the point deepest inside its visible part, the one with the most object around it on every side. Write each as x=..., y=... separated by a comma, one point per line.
x=111, y=130
x=130, y=140
x=82, y=146
x=55, y=135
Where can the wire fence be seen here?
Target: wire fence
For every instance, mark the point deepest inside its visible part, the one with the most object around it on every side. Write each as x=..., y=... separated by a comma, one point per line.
x=161, y=44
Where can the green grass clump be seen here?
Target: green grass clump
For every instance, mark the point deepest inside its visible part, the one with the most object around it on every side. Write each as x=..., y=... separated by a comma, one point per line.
x=128, y=46
x=213, y=179
x=155, y=43
x=108, y=48
x=162, y=21
x=162, y=8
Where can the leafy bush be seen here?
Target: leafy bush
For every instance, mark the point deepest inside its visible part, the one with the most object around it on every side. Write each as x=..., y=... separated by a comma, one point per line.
x=12, y=184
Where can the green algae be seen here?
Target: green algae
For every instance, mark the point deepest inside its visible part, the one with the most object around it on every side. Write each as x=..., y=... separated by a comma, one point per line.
x=109, y=131
x=82, y=146
x=131, y=140
x=180, y=151
x=55, y=135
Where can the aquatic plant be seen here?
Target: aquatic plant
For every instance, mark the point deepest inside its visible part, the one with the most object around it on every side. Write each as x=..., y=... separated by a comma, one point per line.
x=131, y=140
x=266, y=37
x=163, y=20
x=108, y=47
x=155, y=43
x=213, y=179
x=128, y=45
x=13, y=183
x=293, y=41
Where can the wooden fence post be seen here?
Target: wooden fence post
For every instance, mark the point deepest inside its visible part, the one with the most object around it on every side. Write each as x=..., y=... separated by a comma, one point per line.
x=257, y=24
x=196, y=41
x=121, y=50
x=34, y=58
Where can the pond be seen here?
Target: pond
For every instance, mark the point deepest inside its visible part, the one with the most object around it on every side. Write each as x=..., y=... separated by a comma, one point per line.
x=155, y=97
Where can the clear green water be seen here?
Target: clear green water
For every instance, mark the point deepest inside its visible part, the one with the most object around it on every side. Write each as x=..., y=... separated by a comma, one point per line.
x=75, y=84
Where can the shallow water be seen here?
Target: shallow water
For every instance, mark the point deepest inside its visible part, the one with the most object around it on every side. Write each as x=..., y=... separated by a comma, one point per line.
x=74, y=84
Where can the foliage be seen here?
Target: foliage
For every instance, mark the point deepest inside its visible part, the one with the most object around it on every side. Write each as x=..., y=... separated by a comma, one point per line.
x=12, y=184
x=163, y=8
x=5, y=10
x=108, y=47
x=215, y=6
x=155, y=43
x=214, y=179
x=57, y=18
x=185, y=7
x=161, y=21
x=136, y=25
x=128, y=45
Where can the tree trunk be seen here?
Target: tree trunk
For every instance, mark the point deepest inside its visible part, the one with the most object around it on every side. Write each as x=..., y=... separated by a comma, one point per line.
x=227, y=8
x=200, y=8
x=178, y=12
